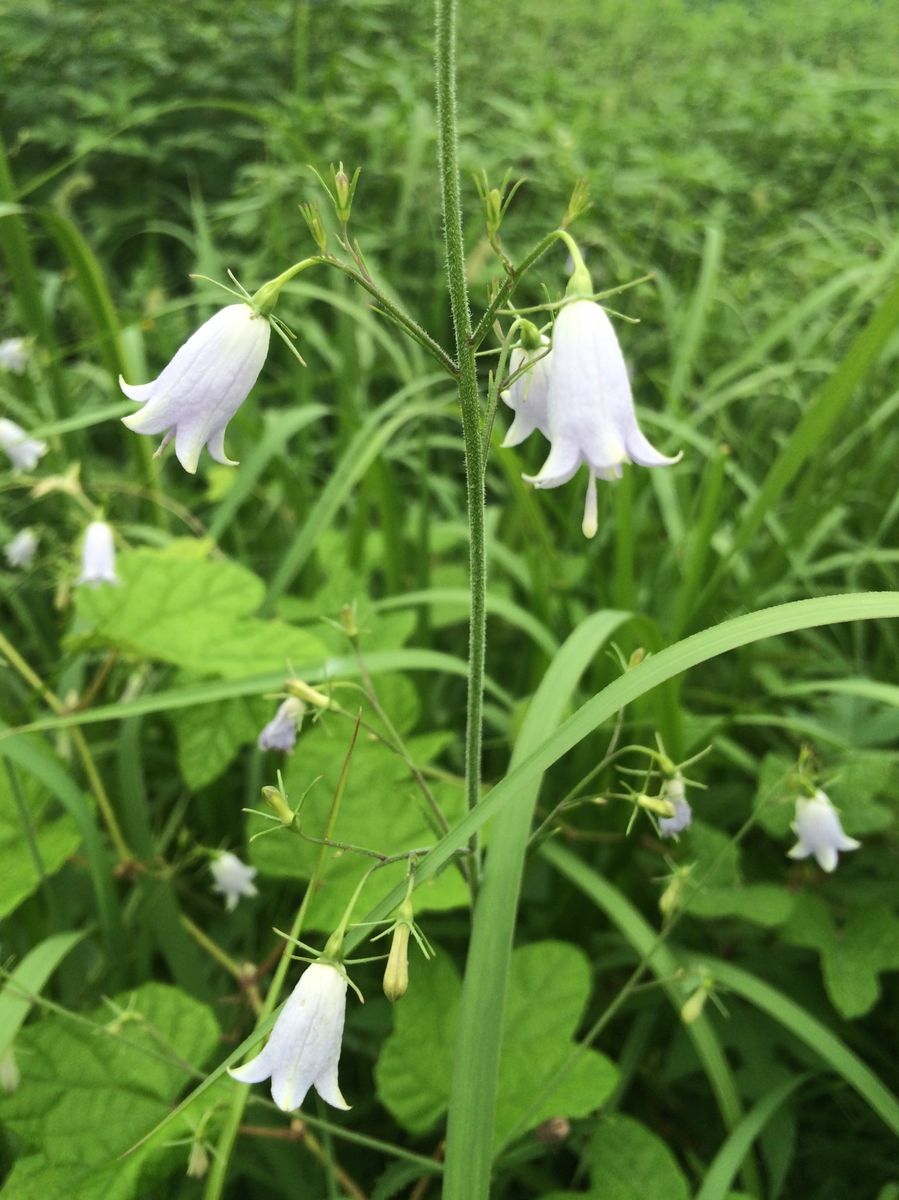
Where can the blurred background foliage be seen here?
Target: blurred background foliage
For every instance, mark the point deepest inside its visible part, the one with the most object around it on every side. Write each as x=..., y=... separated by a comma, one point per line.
x=742, y=154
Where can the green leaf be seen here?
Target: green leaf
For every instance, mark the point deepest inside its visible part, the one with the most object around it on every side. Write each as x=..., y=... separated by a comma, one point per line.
x=90, y=1089
x=35, y=837
x=210, y=736
x=549, y=985
x=27, y=980
x=628, y=1162
x=853, y=953
x=726, y=895
x=176, y=607
x=382, y=810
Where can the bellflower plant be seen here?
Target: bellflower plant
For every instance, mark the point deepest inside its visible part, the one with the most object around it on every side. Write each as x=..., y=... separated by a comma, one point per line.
x=20, y=551
x=203, y=386
x=303, y=1049
x=98, y=555
x=817, y=826
x=590, y=408
x=232, y=878
x=24, y=452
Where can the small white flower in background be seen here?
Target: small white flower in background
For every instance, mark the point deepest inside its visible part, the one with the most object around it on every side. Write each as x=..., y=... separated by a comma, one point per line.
x=281, y=731
x=673, y=791
x=98, y=555
x=232, y=878
x=203, y=386
x=528, y=395
x=303, y=1049
x=817, y=826
x=24, y=452
x=21, y=550
x=14, y=355
x=10, y=1076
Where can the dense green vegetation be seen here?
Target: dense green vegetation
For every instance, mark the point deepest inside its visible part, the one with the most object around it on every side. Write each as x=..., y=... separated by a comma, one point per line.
x=740, y=156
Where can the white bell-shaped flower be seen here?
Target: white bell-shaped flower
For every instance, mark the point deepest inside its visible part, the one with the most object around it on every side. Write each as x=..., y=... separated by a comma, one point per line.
x=98, y=555
x=20, y=551
x=14, y=355
x=24, y=452
x=673, y=791
x=817, y=826
x=281, y=731
x=303, y=1049
x=527, y=396
x=232, y=878
x=590, y=409
x=203, y=386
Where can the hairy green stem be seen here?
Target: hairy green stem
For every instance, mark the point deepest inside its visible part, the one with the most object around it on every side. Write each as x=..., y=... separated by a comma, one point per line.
x=469, y=401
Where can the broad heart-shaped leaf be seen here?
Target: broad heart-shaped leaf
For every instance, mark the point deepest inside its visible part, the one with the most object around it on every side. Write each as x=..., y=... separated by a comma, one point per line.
x=35, y=838
x=88, y=1094
x=195, y=612
x=629, y=1162
x=722, y=892
x=549, y=985
x=852, y=954
x=382, y=809
x=210, y=735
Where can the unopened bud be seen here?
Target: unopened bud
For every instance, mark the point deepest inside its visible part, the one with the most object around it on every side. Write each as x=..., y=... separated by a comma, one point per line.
x=276, y=800
x=578, y=204
x=313, y=218
x=297, y=687
x=197, y=1160
x=344, y=191
x=692, y=1008
x=636, y=658
x=396, y=973
x=531, y=338
x=348, y=621
x=493, y=208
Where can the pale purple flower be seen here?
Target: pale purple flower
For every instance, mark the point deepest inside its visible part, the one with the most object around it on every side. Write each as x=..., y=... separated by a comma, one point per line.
x=203, y=386
x=817, y=826
x=528, y=394
x=232, y=878
x=98, y=555
x=20, y=551
x=14, y=355
x=673, y=791
x=24, y=452
x=281, y=731
x=590, y=408
x=303, y=1049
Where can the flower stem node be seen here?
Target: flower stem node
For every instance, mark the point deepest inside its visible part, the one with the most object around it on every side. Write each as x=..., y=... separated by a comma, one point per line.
x=204, y=385
x=819, y=832
x=303, y=1049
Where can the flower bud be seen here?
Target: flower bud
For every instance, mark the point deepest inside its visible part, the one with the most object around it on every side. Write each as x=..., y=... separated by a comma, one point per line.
x=197, y=1160
x=276, y=800
x=348, y=621
x=692, y=1008
x=396, y=974
x=344, y=191
x=311, y=695
x=313, y=218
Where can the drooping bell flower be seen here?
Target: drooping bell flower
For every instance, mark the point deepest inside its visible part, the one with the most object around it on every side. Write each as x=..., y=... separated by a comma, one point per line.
x=682, y=818
x=24, y=452
x=817, y=826
x=203, y=386
x=20, y=551
x=303, y=1049
x=281, y=731
x=232, y=878
x=98, y=555
x=527, y=396
x=590, y=408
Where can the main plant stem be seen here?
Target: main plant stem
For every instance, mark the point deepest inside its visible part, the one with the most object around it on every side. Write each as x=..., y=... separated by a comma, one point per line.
x=447, y=144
